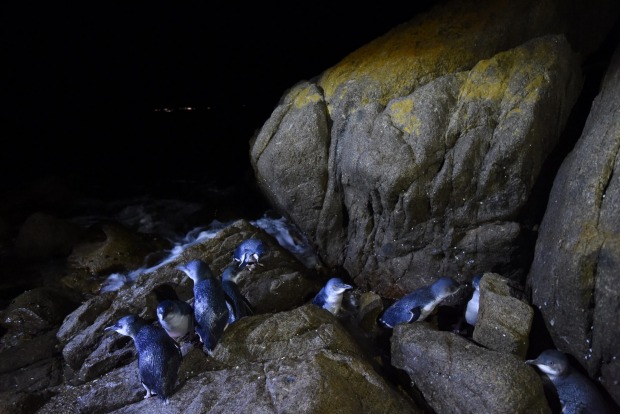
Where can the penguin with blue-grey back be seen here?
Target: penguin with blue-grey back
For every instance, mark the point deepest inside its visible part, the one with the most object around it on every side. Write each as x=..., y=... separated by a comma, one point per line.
x=159, y=356
x=210, y=309
x=249, y=253
x=330, y=296
x=238, y=304
x=576, y=392
x=418, y=304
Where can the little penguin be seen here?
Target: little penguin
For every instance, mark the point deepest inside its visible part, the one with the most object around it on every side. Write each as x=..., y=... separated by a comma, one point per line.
x=330, y=296
x=249, y=252
x=577, y=393
x=210, y=309
x=176, y=317
x=159, y=356
x=238, y=305
x=471, y=312
x=417, y=305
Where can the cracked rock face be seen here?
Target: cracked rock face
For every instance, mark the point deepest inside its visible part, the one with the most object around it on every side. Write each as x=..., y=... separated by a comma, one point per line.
x=432, y=181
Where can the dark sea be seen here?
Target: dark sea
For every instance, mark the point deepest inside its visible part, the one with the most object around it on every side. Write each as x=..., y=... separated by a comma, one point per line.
x=182, y=173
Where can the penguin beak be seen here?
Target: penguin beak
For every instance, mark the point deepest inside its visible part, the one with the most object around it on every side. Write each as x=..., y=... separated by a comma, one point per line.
x=531, y=362
x=182, y=269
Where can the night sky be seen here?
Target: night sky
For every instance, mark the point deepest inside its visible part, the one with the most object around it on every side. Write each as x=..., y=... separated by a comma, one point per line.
x=82, y=86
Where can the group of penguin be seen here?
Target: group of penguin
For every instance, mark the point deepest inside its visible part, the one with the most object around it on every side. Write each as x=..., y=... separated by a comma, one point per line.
x=217, y=304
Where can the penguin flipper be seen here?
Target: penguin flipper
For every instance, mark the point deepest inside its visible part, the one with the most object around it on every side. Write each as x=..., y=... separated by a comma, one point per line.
x=202, y=334
x=249, y=309
x=171, y=373
x=186, y=308
x=238, y=305
x=319, y=299
x=211, y=336
x=415, y=313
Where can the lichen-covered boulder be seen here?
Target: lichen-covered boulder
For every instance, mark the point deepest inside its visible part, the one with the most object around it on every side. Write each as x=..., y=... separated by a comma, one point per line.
x=399, y=175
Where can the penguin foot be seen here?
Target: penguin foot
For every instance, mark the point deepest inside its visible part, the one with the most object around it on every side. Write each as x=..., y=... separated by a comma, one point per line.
x=208, y=352
x=149, y=393
x=252, y=266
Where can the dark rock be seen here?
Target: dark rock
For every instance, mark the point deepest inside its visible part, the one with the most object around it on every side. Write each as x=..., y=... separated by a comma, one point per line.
x=38, y=376
x=84, y=316
x=38, y=310
x=504, y=321
x=456, y=375
x=21, y=402
x=35, y=349
x=575, y=272
x=43, y=236
x=112, y=247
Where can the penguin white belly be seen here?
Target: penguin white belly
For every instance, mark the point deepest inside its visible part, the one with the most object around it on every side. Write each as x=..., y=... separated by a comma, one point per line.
x=471, y=313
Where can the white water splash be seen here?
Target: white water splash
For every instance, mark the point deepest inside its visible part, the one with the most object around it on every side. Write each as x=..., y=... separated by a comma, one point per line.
x=291, y=238
x=285, y=232
x=117, y=280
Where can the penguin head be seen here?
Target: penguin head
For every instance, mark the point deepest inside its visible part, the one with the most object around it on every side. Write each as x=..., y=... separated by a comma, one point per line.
x=127, y=325
x=337, y=285
x=230, y=273
x=249, y=251
x=552, y=362
x=475, y=282
x=445, y=287
x=164, y=308
x=196, y=270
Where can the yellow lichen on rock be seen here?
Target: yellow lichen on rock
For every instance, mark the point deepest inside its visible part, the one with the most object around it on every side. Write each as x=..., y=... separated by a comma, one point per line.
x=409, y=55
x=402, y=116
x=516, y=77
x=305, y=97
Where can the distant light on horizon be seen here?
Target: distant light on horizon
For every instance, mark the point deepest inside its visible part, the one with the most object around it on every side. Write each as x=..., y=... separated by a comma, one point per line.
x=180, y=108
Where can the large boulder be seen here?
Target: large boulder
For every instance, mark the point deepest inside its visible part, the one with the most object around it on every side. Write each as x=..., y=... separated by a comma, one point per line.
x=401, y=175
x=457, y=376
x=44, y=236
x=575, y=274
